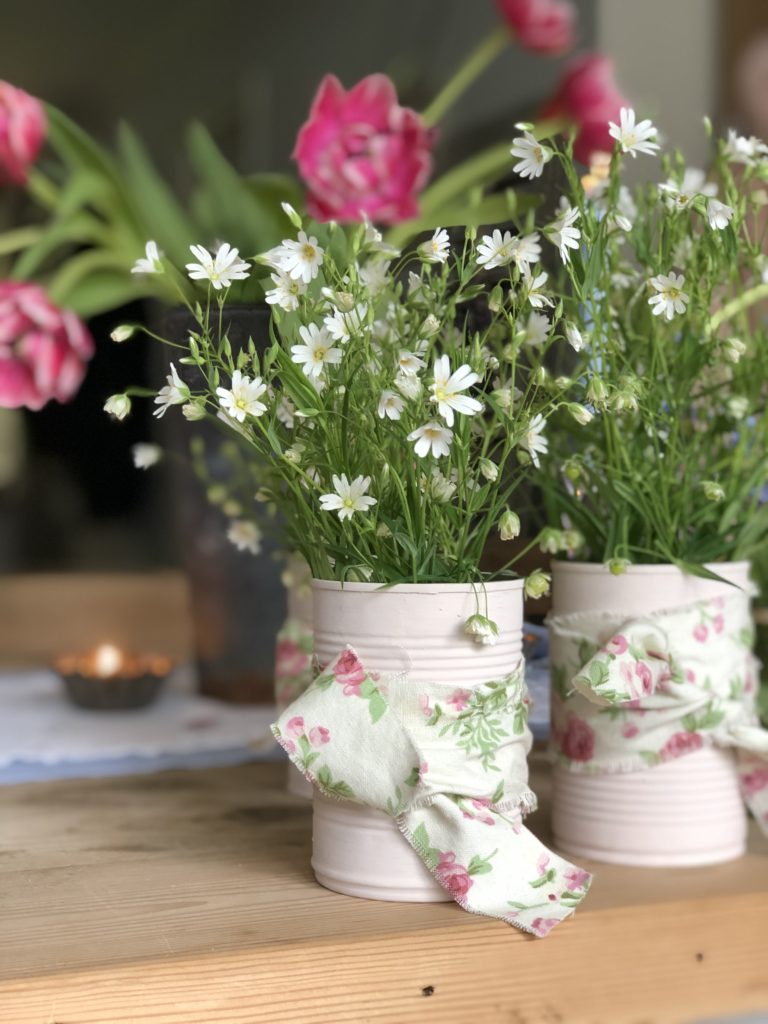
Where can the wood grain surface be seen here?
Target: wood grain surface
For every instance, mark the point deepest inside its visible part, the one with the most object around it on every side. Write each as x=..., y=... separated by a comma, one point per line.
x=187, y=898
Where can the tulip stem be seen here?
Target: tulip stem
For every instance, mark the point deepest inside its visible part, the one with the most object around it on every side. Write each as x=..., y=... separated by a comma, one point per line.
x=480, y=58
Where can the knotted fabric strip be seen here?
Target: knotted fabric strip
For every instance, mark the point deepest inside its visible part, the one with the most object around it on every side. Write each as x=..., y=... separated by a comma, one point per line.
x=628, y=694
x=450, y=766
x=293, y=662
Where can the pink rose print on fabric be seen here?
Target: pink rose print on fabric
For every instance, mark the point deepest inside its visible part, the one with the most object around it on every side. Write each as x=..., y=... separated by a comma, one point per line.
x=542, y=926
x=576, y=878
x=424, y=705
x=701, y=633
x=480, y=811
x=643, y=672
x=459, y=699
x=349, y=672
x=362, y=154
x=629, y=729
x=617, y=644
x=718, y=623
x=755, y=781
x=289, y=746
x=295, y=727
x=679, y=744
x=290, y=660
x=542, y=865
x=319, y=735
x=452, y=876
x=690, y=676
x=578, y=740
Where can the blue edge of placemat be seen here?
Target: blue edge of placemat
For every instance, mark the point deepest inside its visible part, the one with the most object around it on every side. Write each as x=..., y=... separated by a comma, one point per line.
x=537, y=675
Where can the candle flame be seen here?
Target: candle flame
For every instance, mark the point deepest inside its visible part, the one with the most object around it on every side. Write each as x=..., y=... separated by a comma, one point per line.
x=107, y=660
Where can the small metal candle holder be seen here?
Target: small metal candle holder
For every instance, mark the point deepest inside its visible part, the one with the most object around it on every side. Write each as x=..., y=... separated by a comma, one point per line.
x=109, y=679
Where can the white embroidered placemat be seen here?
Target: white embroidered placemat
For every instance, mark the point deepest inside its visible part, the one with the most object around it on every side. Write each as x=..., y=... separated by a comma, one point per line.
x=43, y=736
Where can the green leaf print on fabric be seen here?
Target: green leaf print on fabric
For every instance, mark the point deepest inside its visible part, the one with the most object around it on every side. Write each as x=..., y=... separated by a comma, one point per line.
x=338, y=788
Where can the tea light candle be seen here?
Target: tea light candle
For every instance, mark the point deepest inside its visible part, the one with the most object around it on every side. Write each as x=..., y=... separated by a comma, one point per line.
x=108, y=678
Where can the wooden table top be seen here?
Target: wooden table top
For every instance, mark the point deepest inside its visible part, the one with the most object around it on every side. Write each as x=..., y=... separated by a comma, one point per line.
x=188, y=898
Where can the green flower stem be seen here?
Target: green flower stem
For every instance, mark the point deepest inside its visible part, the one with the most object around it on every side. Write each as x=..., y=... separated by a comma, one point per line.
x=739, y=305
x=18, y=239
x=481, y=57
x=42, y=189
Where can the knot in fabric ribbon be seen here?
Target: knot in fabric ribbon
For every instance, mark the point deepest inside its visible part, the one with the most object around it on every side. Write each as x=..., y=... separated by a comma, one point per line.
x=449, y=765
x=628, y=694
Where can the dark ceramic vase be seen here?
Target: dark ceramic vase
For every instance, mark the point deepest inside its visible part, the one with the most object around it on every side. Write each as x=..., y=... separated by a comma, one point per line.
x=238, y=602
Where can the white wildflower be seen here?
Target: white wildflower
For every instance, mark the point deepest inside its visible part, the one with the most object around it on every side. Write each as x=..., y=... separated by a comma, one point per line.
x=670, y=297
x=534, y=441
x=432, y=437
x=531, y=155
x=633, y=137
x=302, y=258
x=286, y=292
x=241, y=399
x=153, y=262
x=447, y=387
x=391, y=405
x=316, y=352
x=437, y=248
x=562, y=233
x=118, y=406
x=245, y=535
x=175, y=392
x=343, y=325
x=221, y=270
x=146, y=455
x=718, y=214
x=536, y=330
x=348, y=497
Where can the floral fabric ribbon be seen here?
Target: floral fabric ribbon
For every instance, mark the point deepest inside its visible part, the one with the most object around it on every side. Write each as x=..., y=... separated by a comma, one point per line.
x=631, y=694
x=450, y=766
x=293, y=662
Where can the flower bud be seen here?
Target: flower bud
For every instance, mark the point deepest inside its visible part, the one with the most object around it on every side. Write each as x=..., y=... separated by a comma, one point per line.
x=551, y=540
x=537, y=584
x=123, y=332
x=580, y=413
x=118, y=406
x=291, y=214
x=509, y=525
x=713, y=491
x=540, y=376
x=489, y=470
x=597, y=392
x=482, y=630
x=733, y=350
x=617, y=566
x=430, y=326
x=193, y=411
x=624, y=401
x=572, y=469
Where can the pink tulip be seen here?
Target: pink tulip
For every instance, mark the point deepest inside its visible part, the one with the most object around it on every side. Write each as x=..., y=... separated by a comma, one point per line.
x=22, y=132
x=362, y=154
x=43, y=349
x=544, y=26
x=589, y=98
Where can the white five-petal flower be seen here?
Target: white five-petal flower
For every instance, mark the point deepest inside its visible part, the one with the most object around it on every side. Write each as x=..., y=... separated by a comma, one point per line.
x=533, y=440
x=562, y=233
x=348, y=497
x=437, y=248
x=301, y=258
x=220, y=269
x=447, y=387
x=391, y=405
x=375, y=275
x=152, y=264
x=434, y=437
x=245, y=535
x=286, y=292
x=680, y=195
x=574, y=337
x=633, y=137
x=316, y=352
x=341, y=325
x=670, y=297
x=718, y=214
x=409, y=363
x=499, y=250
x=175, y=392
x=146, y=455
x=531, y=155
x=536, y=330
x=533, y=286
x=242, y=398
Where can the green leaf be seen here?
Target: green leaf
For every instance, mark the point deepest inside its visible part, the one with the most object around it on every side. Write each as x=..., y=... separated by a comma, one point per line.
x=377, y=706
x=163, y=219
